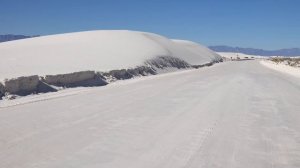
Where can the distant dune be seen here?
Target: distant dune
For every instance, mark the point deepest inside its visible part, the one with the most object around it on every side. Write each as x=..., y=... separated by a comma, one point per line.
x=261, y=52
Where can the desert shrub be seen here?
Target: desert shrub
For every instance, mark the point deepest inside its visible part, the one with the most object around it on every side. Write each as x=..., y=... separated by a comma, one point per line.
x=277, y=60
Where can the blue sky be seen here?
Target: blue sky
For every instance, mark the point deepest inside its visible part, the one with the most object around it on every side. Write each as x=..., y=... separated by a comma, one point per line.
x=267, y=24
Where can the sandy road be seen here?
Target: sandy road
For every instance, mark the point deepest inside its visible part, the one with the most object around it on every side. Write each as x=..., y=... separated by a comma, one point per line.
x=234, y=114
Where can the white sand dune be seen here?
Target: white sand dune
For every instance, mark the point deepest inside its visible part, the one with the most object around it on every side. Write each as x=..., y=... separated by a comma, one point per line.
x=101, y=50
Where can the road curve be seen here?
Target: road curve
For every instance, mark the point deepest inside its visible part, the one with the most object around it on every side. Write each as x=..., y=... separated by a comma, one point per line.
x=230, y=115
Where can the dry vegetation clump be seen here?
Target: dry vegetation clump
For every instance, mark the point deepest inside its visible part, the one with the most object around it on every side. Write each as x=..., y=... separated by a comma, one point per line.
x=295, y=62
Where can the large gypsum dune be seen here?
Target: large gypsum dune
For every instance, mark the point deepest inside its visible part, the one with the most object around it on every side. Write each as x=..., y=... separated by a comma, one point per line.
x=101, y=50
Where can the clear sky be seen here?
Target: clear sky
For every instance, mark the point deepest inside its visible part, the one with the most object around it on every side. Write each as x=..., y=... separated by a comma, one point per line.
x=267, y=24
